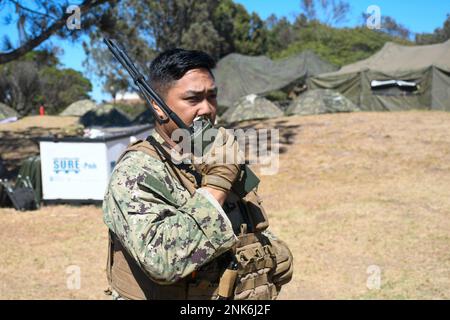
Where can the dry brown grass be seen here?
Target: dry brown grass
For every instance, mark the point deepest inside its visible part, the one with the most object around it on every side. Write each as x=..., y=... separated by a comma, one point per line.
x=353, y=190
x=44, y=122
x=39, y=247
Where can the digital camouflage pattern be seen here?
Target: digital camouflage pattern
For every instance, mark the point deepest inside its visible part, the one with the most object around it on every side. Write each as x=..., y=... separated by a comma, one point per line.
x=251, y=107
x=320, y=101
x=167, y=231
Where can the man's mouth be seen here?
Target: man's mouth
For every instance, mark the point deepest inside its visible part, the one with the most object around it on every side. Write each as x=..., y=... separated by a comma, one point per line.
x=201, y=118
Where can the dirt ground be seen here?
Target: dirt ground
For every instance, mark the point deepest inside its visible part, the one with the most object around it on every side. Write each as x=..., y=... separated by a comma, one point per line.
x=363, y=199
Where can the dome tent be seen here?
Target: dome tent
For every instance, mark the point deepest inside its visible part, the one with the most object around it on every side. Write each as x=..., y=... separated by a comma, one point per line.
x=78, y=108
x=7, y=114
x=251, y=107
x=320, y=101
x=105, y=116
x=144, y=117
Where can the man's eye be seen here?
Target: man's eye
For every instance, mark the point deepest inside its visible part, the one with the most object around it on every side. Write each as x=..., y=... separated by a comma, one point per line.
x=193, y=99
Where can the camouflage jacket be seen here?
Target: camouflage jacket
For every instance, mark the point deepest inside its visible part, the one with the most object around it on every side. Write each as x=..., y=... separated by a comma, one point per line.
x=167, y=231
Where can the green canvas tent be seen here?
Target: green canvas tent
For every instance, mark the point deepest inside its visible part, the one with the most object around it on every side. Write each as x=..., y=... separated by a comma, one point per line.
x=30, y=175
x=105, y=116
x=145, y=117
x=251, y=107
x=396, y=78
x=78, y=108
x=239, y=75
x=320, y=101
x=3, y=170
x=7, y=114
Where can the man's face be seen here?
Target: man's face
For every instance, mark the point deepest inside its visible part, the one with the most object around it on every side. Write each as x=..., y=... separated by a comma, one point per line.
x=192, y=96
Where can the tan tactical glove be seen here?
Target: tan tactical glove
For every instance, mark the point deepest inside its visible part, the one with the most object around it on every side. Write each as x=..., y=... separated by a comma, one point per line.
x=221, y=165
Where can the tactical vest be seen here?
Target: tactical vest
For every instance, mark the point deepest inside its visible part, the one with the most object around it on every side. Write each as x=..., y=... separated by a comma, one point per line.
x=255, y=268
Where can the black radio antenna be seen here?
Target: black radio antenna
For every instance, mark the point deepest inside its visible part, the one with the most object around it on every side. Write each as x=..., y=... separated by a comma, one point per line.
x=139, y=80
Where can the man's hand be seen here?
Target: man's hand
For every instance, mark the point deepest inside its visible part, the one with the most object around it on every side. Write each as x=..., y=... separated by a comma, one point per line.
x=219, y=195
x=220, y=167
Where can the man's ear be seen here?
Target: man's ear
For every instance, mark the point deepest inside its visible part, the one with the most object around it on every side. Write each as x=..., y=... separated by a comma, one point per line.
x=159, y=113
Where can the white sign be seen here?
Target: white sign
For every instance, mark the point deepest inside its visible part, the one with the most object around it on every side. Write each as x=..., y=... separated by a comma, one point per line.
x=73, y=170
x=80, y=170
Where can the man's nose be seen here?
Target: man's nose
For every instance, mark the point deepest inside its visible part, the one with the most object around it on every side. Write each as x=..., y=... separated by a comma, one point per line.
x=205, y=108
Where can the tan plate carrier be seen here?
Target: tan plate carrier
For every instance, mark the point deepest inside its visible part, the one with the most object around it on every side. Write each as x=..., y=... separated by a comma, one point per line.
x=263, y=265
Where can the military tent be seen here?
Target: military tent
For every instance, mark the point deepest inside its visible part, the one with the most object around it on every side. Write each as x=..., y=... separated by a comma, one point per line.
x=7, y=114
x=78, y=108
x=251, y=107
x=145, y=117
x=30, y=176
x=105, y=116
x=3, y=170
x=396, y=78
x=320, y=101
x=239, y=75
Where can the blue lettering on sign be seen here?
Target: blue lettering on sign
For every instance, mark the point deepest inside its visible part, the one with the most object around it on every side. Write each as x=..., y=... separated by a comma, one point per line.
x=66, y=165
x=88, y=165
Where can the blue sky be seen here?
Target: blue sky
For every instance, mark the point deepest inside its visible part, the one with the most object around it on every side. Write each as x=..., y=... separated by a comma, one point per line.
x=418, y=15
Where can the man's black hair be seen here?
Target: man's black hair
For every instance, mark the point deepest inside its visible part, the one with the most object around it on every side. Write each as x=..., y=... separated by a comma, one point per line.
x=172, y=65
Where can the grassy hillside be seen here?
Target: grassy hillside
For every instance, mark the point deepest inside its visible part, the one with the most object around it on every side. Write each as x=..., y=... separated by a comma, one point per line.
x=339, y=46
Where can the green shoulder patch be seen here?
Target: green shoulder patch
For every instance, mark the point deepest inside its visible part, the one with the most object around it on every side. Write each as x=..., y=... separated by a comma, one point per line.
x=159, y=188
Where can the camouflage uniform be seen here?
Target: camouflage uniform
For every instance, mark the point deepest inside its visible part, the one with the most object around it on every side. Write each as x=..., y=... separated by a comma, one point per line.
x=168, y=232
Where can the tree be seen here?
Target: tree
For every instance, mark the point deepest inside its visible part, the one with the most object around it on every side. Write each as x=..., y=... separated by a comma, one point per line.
x=146, y=27
x=250, y=35
x=339, y=46
x=38, y=20
x=35, y=79
x=202, y=36
x=439, y=35
x=286, y=37
x=19, y=85
x=330, y=11
x=123, y=23
x=389, y=26
x=242, y=32
x=115, y=84
x=393, y=28
x=61, y=87
x=281, y=33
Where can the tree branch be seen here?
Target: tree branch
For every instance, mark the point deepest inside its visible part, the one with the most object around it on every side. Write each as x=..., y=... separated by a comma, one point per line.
x=45, y=34
x=32, y=11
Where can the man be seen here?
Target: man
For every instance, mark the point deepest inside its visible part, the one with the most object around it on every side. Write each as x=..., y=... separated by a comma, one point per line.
x=170, y=236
